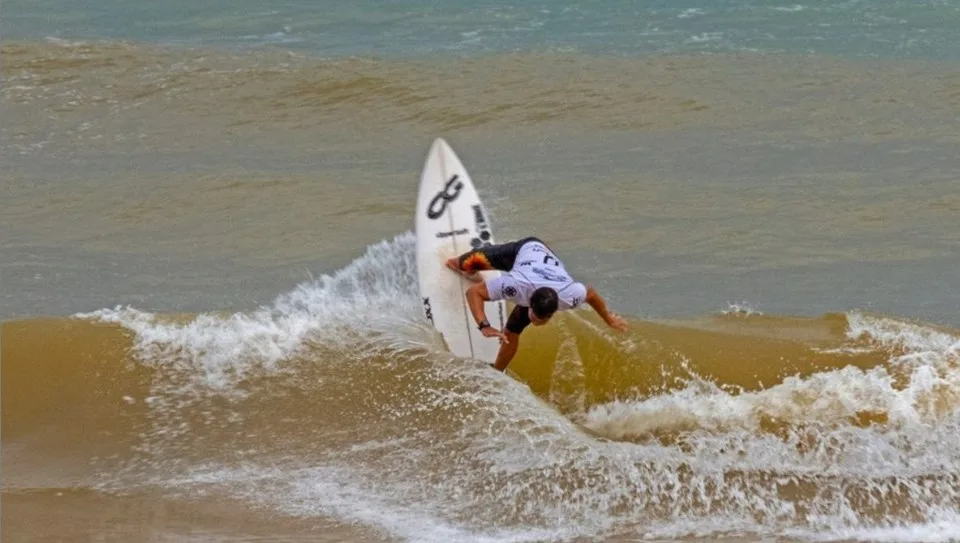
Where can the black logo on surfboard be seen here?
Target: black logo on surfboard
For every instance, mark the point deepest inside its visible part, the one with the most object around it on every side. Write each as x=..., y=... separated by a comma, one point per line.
x=449, y=193
x=483, y=235
x=427, y=310
x=458, y=232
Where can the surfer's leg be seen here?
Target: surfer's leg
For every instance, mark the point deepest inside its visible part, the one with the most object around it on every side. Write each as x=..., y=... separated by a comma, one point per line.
x=508, y=349
x=499, y=256
x=518, y=320
x=454, y=264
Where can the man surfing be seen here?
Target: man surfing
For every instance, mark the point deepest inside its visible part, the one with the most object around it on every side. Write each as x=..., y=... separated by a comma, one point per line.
x=534, y=279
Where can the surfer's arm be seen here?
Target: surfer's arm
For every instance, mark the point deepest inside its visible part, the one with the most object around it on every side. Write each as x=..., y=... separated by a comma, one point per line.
x=477, y=294
x=600, y=306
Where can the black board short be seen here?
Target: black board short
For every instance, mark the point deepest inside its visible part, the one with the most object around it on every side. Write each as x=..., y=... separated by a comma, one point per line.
x=498, y=256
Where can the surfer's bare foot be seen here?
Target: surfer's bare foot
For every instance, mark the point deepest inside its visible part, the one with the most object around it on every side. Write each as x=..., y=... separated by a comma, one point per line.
x=454, y=265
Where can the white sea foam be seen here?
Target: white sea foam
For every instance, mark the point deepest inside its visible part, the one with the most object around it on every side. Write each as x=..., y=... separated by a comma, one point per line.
x=216, y=351
x=478, y=457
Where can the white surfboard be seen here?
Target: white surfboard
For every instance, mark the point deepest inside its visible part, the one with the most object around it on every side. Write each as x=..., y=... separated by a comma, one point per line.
x=450, y=220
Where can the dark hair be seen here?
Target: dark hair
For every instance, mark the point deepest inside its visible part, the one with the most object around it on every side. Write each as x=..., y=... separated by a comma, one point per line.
x=544, y=302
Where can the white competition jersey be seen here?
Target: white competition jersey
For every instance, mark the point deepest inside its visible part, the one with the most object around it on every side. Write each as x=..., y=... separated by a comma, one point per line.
x=536, y=266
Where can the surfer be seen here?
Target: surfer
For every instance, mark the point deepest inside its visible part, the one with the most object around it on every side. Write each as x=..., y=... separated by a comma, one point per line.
x=534, y=279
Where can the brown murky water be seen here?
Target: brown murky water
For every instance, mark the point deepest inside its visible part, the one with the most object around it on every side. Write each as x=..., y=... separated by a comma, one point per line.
x=782, y=232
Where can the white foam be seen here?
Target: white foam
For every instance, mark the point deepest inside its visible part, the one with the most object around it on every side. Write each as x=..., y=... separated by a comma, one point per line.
x=930, y=365
x=354, y=497
x=914, y=455
x=741, y=308
x=689, y=13
x=218, y=351
x=478, y=457
x=893, y=333
x=705, y=37
x=789, y=9
x=349, y=496
x=943, y=526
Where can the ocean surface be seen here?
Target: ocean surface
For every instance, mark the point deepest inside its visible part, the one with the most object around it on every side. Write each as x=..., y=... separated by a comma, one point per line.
x=209, y=320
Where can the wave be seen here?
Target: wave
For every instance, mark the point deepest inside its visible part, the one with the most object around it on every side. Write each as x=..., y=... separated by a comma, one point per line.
x=336, y=399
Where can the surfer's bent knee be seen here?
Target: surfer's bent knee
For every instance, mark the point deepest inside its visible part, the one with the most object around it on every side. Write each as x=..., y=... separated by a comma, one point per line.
x=500, y=256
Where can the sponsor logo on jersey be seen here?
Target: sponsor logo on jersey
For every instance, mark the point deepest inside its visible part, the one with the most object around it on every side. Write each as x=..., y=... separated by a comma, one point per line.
x=549, y=274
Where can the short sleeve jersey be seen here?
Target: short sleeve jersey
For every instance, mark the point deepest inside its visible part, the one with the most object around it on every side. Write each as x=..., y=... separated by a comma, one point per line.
x=536, y=266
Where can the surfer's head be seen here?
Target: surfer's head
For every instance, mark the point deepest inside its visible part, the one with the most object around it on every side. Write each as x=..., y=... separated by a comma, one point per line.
x=543, y=304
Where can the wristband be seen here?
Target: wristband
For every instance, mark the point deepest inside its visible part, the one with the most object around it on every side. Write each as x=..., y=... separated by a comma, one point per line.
x=483, y=324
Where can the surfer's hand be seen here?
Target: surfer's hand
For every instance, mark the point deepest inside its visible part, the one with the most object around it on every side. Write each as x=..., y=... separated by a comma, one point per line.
x=490, y=331
x=616, y=322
